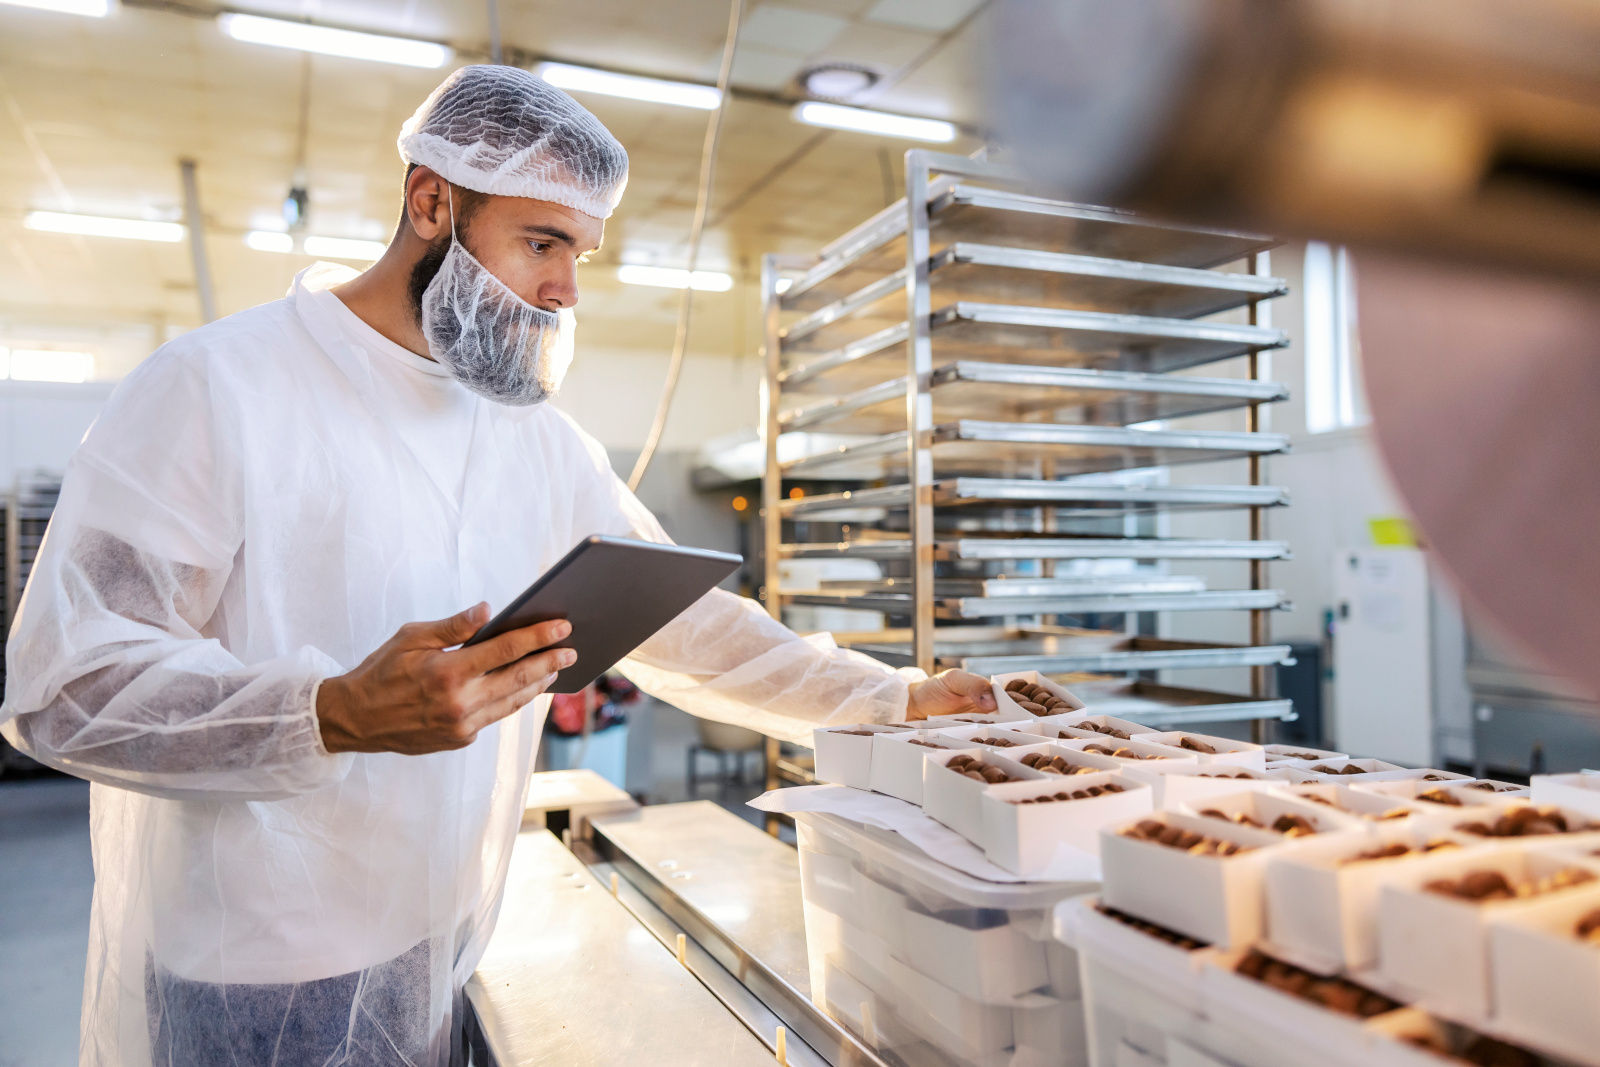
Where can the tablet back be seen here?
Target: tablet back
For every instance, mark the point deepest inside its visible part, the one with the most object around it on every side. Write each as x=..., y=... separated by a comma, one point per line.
x=617, y=593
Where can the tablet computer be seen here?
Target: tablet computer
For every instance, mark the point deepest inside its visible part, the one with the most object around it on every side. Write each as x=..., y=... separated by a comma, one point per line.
x=616, y=592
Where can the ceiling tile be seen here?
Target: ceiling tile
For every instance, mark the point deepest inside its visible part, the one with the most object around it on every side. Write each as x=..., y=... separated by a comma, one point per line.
x=935, y=15
x=761, y=68
x=790, y=29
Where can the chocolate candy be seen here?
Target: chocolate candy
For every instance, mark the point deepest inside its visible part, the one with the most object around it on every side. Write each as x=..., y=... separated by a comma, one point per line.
x=1291, y=825
x=1434, y=778
x=1172, y=937
x=1239, y=817
x=1323, y=768
x=1242, y=774
x=924, y=744
x=977, y=770
x=1109, y=731
x=1523, y=821
x=1588, y=927
x=1196, y=745
x=1054, y=764
x=1297, y=755
x=1017, y=684
x=1035, y=699
x=1439, y=796
x=1397, y=849
x=1483, y=1051
x=853, y=733
x=1076, y=794
x=1176, y=837
x=1122, y=752
x=1484, y=886
x=1337, y=994
x=996, y=742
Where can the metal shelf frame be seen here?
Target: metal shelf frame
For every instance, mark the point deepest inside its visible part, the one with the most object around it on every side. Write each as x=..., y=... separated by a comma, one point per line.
x=1037, y=341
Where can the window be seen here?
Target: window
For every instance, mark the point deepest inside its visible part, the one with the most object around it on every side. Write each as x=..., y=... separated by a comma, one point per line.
x=1334, y=396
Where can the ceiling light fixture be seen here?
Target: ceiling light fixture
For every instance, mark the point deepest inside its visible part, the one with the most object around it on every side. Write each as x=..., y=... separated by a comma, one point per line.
x=838, y=117
x=101, y=226
x=37, y=365
x=95, y=9
x=344, y=248
x=704, y=281
x=838, y=81
x=328, y=41
x=268, y=241
x=629, y=86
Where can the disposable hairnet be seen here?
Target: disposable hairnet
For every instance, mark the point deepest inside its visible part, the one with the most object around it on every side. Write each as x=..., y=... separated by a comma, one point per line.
x=247, y=517
x=501, y=130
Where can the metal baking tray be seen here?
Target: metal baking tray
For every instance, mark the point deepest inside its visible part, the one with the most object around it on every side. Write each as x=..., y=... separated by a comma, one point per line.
x=990, y=650
x=990, y=274
x=1014, y=392
x=1101, y=585
x=1069, y=499
x=1151, y=704
x=858, y=351
x=1012, y=449
x=903, y=603
x=958, y=212
x=1045, y=547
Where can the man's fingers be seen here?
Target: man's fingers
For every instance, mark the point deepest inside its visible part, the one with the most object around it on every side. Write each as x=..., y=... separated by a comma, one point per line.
x=510, y=703
x=445, y=632
x=524, y=672
x=972, y=686
x=511, y=646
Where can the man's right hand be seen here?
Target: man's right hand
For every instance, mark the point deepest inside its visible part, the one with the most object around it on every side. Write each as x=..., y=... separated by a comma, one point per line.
x=413, y=697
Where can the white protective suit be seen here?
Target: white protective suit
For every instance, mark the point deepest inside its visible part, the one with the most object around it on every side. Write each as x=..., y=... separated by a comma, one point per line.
x=260, y=505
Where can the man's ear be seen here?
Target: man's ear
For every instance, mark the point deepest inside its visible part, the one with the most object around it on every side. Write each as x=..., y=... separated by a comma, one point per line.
x=427, y=205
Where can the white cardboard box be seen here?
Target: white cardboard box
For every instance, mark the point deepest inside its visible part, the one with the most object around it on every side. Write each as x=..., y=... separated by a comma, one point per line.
x=1545, y=982
x=897, y=763
x=1229, y=751
x=1370, y=806
x=1077, y=722
x=844, y=755
x=1435, y=947
x=1194, y=783
x=946, y=1017
x=1476, y=805
x=1215, y=899
x=1005, y=700
x=1322, y=912
x=1364, y=767
x=1246, y=1005
x=952, y=798
x=1266, y=806
x=1279, y=753
x=992, y=965
x=1580, y=791
x=1023, y=838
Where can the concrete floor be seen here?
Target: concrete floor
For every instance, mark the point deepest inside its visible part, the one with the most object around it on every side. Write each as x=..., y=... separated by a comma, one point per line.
x=46, y=879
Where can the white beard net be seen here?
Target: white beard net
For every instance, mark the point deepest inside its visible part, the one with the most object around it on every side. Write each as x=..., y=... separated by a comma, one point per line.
x=493, y=341
x=502, y=131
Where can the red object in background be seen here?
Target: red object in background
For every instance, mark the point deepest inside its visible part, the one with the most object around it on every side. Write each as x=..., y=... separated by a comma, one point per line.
x=605, y=697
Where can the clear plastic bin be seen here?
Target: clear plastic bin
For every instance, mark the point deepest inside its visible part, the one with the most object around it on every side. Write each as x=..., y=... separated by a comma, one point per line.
x=931, y=966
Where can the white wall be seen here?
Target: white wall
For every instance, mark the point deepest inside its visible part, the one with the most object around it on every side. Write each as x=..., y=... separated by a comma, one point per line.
x=42, y=422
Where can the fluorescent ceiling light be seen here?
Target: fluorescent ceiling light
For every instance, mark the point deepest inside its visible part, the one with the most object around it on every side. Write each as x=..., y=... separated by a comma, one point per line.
x=267, y=241
x=100, y=226
x=628, y=86
x=705, y=281
x=331, y=42
x=95, y=9
x=343, y=248
x=784, y=285
x=838, y=117
x=29, y=365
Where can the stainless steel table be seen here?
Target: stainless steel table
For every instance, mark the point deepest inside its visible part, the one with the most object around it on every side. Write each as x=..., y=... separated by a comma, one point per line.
x=571, y=977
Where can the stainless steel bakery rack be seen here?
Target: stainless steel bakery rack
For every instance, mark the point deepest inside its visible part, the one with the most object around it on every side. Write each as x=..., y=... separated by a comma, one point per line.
x=997, y=374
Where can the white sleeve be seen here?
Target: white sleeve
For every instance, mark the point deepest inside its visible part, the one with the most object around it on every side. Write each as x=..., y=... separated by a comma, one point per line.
x=727, y=659
x=110, y=675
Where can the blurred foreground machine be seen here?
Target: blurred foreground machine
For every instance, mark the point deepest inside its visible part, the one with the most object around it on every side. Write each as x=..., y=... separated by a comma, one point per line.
x=1456, y=146
x=981, y=385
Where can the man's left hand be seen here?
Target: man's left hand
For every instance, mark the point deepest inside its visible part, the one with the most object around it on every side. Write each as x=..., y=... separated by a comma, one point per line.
x=950, y=693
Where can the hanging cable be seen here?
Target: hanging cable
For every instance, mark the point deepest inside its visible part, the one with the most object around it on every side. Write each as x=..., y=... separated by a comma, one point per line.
x=708, y=173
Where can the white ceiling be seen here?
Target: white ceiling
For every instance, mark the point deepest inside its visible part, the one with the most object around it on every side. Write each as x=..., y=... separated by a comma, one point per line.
x=96, y=113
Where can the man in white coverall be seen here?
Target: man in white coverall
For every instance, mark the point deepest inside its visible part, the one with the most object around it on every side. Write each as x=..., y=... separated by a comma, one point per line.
x=304, y=797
